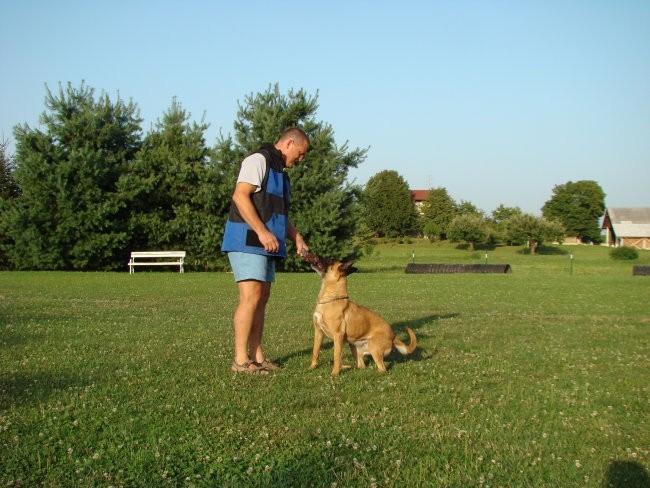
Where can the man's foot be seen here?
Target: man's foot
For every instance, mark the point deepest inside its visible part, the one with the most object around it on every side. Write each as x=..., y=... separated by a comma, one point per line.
x=268, y=365
x=249, y=367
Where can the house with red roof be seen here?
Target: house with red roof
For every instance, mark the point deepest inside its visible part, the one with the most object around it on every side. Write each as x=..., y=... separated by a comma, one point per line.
x=418, y=197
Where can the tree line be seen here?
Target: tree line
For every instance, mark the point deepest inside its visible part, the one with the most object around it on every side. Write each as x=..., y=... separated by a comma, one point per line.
x=573, y=210
x=90, y=185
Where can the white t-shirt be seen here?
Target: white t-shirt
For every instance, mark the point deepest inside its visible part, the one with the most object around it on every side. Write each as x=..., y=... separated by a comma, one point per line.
x=253, y=170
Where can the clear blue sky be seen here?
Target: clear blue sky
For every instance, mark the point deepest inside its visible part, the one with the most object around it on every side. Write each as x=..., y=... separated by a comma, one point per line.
x=497, y=101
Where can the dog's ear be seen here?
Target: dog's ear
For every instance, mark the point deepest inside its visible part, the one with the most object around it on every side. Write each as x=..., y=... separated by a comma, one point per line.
x=347, y=268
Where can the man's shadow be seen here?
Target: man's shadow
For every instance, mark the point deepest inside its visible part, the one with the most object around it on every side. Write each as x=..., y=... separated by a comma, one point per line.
x=626, y=474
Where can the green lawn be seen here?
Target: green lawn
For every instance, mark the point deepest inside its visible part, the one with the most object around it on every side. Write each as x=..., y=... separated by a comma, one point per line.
x=536, y=378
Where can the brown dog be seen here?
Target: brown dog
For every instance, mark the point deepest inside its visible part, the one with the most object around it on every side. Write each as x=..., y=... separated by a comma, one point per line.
x=342, y=320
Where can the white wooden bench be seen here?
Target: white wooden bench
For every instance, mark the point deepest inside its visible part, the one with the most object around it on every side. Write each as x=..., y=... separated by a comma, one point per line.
x=153, y=258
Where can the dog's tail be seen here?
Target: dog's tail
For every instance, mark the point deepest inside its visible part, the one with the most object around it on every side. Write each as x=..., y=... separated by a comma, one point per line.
x=403, y=348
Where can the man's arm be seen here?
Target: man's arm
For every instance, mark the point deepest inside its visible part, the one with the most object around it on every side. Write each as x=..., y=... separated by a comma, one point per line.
x=242, y=198
x=295, y=236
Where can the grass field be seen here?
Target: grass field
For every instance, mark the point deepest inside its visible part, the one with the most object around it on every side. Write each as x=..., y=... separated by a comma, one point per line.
x=536, y=378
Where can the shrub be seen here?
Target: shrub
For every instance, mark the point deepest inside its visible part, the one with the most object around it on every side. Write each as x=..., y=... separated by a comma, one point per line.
x=432, y=231
x=368, y=249
x=624, y=253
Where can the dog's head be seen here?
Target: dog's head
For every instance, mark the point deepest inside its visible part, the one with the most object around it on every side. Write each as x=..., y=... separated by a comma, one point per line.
x=331, y=269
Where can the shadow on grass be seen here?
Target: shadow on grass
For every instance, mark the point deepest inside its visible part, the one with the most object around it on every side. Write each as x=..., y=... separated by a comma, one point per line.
x=24, y=388
x=477, y=247
x=546, y=251
x=626, y=474
x=419, y=354
x=427, y=319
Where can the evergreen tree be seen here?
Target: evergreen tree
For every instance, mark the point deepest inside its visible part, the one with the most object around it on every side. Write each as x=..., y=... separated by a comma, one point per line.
x=324, y=207
x=578, y=206
x=438, y=210
x=215, y=192
x=388, y=208
x=8, y=191
x=168, y=185
x=70, y=214
x=8, y=187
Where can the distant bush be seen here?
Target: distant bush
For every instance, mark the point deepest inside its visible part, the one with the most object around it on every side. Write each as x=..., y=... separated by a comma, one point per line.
x=432, y=231
x=368, y=249
x=624, y=253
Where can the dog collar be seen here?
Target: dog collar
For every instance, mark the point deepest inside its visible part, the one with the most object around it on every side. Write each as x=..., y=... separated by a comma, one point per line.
x=333, y=300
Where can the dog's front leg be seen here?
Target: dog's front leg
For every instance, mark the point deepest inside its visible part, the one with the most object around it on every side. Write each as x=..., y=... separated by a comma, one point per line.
x=338, y=339
x=318, y=340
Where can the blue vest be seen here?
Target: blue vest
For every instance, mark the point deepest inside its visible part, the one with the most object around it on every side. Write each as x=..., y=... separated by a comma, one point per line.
x=272, y=205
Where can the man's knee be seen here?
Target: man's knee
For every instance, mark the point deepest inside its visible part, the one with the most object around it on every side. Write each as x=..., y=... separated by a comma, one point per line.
x=254, y=293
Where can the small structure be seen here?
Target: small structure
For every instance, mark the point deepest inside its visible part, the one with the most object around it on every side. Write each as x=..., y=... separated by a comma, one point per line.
x=627, y=227
x=413, y=268
x=641, y=270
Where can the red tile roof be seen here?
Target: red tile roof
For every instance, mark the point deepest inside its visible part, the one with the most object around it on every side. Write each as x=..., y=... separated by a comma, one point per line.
x=419, y=195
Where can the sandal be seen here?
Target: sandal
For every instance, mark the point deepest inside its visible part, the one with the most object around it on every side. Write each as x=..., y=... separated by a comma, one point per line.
x=250, y=367
x=268, y=365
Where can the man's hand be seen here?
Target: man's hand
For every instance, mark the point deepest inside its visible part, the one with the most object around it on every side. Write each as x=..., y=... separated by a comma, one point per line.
x=301, y=245
x=269, y=241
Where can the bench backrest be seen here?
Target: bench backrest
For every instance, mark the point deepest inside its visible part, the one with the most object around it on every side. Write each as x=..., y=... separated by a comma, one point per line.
x=158, y=254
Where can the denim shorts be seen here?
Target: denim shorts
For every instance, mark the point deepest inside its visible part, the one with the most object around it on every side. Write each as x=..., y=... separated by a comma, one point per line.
x=247, y=266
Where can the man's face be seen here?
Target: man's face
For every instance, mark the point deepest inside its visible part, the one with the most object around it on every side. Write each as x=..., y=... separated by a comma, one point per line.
x=295, y=152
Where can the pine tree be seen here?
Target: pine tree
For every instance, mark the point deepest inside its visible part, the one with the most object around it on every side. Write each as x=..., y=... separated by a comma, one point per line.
x=70, y=214
x=9, y=190
x=324, y=207
x=8, y=186
x=166, y=185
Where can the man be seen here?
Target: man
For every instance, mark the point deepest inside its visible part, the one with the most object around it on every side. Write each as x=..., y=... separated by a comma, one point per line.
x=256, y=230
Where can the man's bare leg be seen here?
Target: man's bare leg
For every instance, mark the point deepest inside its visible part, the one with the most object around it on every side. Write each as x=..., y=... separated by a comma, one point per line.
x=255, y=351
x=249, y=320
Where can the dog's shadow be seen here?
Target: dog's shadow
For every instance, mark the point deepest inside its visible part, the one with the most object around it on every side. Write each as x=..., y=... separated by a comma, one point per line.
x=399, y=328
x=416, y=324
x=419, y=326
